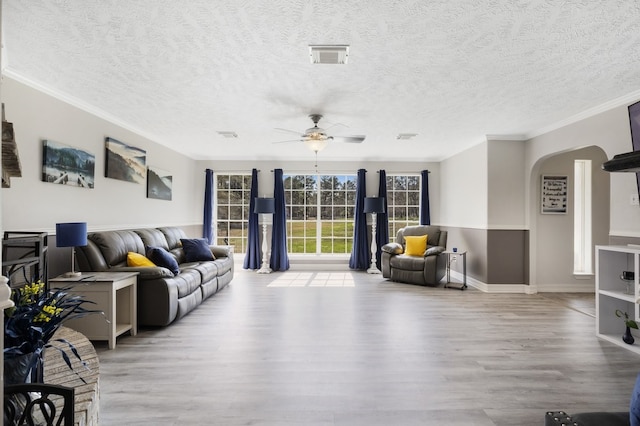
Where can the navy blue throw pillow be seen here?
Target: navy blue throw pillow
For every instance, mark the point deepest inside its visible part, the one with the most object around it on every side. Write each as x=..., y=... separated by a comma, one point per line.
x=196, y=249
x=162, y=257
x=634, y=408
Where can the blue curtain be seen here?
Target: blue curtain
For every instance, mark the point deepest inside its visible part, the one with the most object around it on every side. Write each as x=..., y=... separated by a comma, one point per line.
x=279, y=257
x=207, y=222
x=382, y=219
x=425, y=213
x=361, y=250
x=253, y=255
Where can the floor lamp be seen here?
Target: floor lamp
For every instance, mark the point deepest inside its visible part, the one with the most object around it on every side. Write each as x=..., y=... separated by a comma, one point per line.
x=264, y=207
x=71, y=235
x=373, y=205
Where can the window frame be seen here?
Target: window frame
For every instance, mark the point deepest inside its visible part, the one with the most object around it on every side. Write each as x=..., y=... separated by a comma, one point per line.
x=392, y=201
x=326, y=228
x=239, y=242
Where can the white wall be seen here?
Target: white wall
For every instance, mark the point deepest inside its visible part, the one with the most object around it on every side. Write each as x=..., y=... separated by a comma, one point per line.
x=33, y=205
x=608, y=130
x=464, y=188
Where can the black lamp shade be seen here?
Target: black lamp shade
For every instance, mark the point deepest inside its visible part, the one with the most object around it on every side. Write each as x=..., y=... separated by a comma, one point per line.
x=71, y=234
x=374, y=205
x=265, y=205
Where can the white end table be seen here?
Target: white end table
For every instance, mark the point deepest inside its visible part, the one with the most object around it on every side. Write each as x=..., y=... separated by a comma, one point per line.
x=454, y=255
x=114, y=293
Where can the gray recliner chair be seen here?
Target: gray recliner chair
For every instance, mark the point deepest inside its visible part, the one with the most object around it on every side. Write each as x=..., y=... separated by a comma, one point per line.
x=427, y=269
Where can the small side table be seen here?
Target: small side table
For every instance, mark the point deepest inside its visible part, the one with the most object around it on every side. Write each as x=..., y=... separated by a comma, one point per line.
x=454, y=255
x=114, y=293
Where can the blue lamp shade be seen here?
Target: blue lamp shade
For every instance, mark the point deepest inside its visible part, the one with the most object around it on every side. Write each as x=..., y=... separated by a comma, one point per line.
x=71, y=234
x=374, y=205
x=265, y=205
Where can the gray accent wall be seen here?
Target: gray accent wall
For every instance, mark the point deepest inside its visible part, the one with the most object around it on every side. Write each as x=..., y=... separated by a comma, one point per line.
x=495, y=256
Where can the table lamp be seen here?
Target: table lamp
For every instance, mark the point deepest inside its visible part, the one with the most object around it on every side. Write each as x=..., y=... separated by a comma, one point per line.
x=373, y=205
x=72, y=235
x=264, y=206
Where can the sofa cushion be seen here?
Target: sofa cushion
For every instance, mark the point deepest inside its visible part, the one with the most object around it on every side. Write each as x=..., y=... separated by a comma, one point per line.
x=392, y=248
x=415, y=245
x=162, y=257
x=407, y=263
x=136, y=259
x=187, y=282
x=152, y=238
x=196, y=249
x=432, y=231
x=208, y=270
x=173, y=235
x=114, y=245
x=224, y=265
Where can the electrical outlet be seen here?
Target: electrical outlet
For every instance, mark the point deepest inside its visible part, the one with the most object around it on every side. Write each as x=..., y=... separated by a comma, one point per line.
x=634, y=200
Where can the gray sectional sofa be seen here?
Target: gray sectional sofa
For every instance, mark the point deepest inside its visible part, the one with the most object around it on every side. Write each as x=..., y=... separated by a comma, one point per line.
x=163, y=296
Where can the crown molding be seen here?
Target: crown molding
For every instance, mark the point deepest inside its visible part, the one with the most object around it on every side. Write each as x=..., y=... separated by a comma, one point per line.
x=84, y=106
x=623, y=100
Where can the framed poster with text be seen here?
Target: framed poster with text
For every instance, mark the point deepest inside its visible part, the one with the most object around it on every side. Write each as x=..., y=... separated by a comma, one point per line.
x=554, y=194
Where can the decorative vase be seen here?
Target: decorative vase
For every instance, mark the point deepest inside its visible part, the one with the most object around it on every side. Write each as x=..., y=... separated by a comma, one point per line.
x=627, y=337
x=23, y=369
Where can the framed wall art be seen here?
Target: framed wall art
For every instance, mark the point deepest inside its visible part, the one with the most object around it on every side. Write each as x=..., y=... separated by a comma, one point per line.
x=125, y=162
x=66, y=165
x=554, y=194
x=159, y=183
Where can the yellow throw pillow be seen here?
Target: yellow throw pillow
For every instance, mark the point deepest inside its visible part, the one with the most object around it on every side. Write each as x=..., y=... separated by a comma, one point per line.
x=136, y=259
x=416, y=245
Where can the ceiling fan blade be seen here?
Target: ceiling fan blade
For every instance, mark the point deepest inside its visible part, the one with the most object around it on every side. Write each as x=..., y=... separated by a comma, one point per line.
x=288, y=131
x=350, y=139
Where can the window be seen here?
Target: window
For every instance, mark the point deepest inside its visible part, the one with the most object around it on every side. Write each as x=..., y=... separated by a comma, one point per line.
x=403, y=202
x=233, y=194
x=582, y=249
x=320, y=213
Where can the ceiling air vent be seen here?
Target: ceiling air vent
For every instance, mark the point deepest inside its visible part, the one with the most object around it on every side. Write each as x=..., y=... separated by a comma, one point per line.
x=228, y=135
x=406, y=136
x=329, y=54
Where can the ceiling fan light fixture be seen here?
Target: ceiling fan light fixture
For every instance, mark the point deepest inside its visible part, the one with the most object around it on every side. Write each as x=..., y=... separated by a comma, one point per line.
x=316, y=145
x=337, y=55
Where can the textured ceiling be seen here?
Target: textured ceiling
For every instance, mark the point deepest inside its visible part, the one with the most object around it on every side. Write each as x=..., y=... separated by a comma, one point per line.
x=451, y=71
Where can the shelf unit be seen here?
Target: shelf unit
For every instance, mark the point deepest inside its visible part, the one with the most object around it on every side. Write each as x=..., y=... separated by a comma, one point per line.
x=24, y=257
x=611, y=293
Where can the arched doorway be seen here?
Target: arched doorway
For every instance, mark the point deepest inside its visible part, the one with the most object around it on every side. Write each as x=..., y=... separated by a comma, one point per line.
x=552, y=235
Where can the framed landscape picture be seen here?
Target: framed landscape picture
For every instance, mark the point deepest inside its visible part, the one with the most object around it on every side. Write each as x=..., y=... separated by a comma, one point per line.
x=159, y=184
x=66, y=165
x=124, y=162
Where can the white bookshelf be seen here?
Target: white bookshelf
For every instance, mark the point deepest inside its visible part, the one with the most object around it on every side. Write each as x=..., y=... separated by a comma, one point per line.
x=611, y=293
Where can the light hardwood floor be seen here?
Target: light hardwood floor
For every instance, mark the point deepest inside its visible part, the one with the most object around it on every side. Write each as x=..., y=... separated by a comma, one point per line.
x=294, y=348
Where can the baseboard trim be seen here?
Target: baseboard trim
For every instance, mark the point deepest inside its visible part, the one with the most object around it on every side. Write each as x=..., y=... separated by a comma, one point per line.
x=576, y=287
x=494, y=288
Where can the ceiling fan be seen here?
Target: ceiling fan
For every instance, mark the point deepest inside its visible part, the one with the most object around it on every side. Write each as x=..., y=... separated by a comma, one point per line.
x=316, y=138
